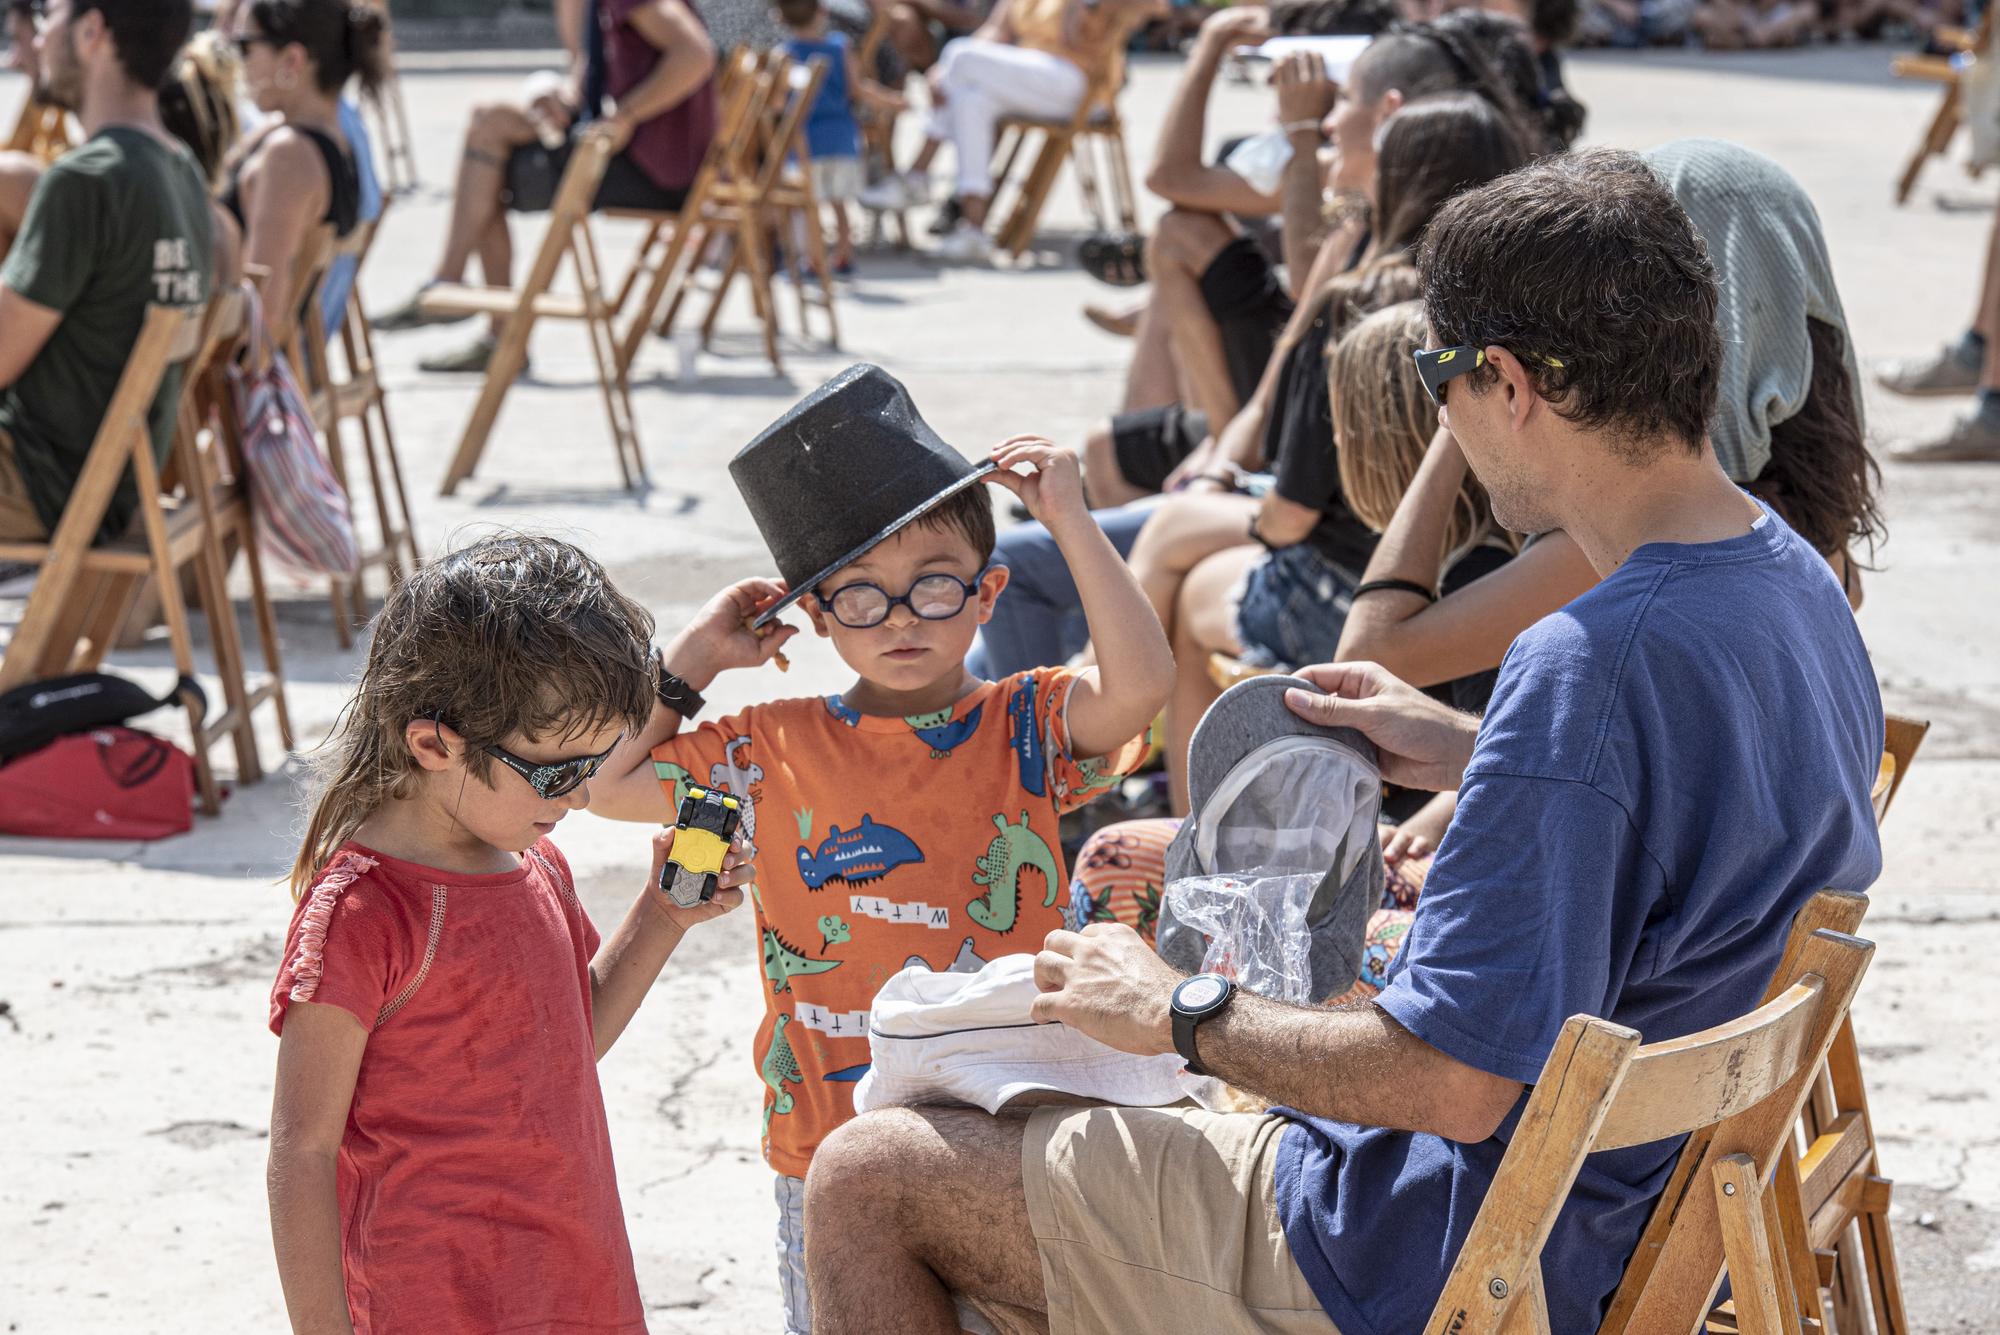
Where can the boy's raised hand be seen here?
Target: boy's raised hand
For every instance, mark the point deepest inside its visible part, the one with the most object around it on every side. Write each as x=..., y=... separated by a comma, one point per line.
x=1053, y=490
x=719, y=638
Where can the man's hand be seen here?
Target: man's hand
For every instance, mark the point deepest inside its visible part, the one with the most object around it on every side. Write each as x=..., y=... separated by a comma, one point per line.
x=1306, y=92
x=1238, y=25
x=738, y=873
x=1053, y=492
x=1108, y=983
x=1423, y=744
x=719, y=638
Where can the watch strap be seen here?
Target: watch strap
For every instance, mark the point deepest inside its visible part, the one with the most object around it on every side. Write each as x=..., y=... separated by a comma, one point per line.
x=1184, y=1027
x=675, y=693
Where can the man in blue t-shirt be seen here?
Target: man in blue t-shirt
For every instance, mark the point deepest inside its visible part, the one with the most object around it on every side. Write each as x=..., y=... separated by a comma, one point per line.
x=1670, y=767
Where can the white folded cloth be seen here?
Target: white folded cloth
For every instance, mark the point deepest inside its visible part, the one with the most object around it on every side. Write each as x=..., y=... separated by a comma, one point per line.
x=967, y=1038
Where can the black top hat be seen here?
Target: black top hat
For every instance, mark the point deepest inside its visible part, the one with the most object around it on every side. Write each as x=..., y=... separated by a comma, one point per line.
x=848, y=466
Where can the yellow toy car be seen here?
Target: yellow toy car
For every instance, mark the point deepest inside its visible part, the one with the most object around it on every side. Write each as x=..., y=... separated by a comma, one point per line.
x=706, y=824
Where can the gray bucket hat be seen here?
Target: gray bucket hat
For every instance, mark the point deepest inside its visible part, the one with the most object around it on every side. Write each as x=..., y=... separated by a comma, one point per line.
x=1269, y=791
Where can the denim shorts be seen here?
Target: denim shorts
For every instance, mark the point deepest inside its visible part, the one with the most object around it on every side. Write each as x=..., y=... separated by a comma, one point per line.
x=1291, y=606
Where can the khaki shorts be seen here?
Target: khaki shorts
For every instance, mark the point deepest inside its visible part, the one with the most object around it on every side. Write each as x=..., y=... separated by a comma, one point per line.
x=18, y=520
x=1162, y=1219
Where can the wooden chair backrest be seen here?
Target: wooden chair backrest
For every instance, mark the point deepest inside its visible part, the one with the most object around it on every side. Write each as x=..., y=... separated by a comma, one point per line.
x=794, y=90
x=124, y=429
x=1744, y=1081
x=1904, y=736
x=42, y=130
x=1677, y=1265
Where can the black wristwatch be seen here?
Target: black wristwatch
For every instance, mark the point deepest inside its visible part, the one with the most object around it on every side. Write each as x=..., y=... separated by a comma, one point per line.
x=674, y=693
x=1199, y=998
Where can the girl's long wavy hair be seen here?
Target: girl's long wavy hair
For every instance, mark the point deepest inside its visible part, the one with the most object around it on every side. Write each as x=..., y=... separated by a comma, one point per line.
x=1384, y=421
x=513, y=636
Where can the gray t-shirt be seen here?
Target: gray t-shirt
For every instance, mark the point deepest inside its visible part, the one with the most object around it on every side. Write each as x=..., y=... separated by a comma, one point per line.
x=117, y=224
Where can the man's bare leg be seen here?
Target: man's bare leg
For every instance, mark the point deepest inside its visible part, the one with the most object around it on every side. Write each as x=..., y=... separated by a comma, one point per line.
x=1177, y=254
x=1150, y=381
x=907, y=1206
x=495, y=132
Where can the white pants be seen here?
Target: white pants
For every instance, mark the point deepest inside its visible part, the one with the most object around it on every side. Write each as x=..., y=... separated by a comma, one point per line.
x=983, y=81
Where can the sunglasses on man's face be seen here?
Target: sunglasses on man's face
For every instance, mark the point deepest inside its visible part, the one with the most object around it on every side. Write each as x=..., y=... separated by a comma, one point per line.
x=550, y=779
x=1438, y=367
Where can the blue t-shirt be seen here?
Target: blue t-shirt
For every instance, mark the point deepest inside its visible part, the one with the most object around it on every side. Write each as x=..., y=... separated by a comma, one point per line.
x=831, y=130
x=1670, y=767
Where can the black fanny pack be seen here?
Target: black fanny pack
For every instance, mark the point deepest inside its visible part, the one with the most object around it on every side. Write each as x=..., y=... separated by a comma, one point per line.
x=34, y=715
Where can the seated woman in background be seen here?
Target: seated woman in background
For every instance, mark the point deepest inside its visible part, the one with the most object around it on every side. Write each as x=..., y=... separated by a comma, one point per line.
x=1030, y=58
x=297, y=172
x=1270, y=575
x=198, y=107
x=1787, y=428
x=1384, y=420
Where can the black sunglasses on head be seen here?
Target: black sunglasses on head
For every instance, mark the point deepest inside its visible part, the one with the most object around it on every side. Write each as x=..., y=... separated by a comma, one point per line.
x=549, y=779
x=1438, y=367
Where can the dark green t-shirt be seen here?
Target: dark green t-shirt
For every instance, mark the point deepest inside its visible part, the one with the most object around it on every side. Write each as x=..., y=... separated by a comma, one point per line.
x=115, y=225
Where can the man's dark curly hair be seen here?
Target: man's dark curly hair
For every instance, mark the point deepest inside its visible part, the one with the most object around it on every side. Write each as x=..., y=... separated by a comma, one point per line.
x=1332, y=18
x=1586, y=260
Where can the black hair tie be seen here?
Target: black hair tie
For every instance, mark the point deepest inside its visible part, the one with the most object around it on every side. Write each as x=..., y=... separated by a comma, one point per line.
x=1423, y=591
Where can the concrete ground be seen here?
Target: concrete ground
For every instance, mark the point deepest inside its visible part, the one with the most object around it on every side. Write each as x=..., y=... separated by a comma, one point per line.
x=133, y=978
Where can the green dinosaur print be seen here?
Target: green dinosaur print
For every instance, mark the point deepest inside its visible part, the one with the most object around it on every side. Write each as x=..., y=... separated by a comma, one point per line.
x=803, y=818
x=782, y=960
x=779, y=1068
x=1014, y=847
x=833, y=931
x=669, y=772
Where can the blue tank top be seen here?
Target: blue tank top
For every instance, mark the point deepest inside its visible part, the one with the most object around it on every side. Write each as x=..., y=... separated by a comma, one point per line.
x=831, y=131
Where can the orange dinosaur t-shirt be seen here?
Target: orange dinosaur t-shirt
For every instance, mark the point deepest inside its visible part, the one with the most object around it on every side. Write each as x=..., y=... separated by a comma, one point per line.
x=881, y=843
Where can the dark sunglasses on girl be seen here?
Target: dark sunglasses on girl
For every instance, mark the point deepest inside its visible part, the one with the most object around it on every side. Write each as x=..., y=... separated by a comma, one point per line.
x=549, y=779
x=1438, y=367
x=933, y=598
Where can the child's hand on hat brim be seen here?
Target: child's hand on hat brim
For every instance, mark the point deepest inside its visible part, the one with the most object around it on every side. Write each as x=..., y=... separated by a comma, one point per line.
x=1053, y=490
x=719, y=638
x=739, y=873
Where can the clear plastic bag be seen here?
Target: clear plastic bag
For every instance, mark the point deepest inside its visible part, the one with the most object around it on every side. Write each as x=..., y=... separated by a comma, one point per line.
x=1255, y=922
x=1261, y=160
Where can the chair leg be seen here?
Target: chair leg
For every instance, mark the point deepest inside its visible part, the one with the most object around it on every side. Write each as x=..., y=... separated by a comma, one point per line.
x=267, y=634
x=175, y=614
x=822, y=265
x=1761, y=1308
x=757, y=267
x=1936, y=139
x=508, y=358
x=226, y=642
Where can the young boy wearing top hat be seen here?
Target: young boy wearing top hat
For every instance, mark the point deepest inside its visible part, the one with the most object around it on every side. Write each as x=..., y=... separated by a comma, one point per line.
x=912, y=818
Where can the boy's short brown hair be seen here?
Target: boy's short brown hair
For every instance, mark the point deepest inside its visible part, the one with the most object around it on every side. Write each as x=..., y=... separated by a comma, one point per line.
x=967, y=512
x=1587, y=269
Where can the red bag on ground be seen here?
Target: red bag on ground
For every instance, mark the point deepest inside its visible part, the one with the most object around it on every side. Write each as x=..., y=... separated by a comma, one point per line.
x=108, y=783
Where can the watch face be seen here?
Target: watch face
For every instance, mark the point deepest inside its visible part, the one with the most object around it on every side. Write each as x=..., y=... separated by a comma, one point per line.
x=1200, y=992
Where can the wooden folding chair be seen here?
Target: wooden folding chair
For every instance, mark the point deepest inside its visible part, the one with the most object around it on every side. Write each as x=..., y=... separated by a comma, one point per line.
x=671, y=248
x=568, y=236
x=206, y=473
x=878, y=131
x=64, y=628
x=1094, y=129
x=42, y=130
x=355, y=394
x=1941, y=69
x=773, y=193
x=392, y=116
x=1831, y=1169
x=1742, y=1083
